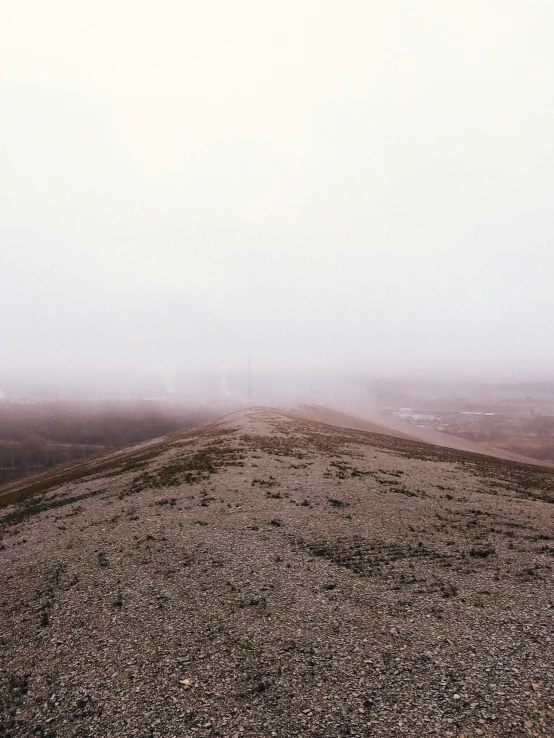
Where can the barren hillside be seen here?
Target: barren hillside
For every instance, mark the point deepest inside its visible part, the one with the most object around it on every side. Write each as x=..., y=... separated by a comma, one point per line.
x=271, y=575
x=402, y=429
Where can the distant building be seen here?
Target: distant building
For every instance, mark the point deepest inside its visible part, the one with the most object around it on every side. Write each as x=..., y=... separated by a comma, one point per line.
x=408, y=413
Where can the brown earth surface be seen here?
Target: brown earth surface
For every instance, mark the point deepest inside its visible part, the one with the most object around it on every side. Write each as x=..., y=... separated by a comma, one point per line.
x=271, y=574
x=402, y=429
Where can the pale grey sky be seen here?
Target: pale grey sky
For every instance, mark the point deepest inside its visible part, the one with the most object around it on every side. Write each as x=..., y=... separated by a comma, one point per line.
x=363, y=183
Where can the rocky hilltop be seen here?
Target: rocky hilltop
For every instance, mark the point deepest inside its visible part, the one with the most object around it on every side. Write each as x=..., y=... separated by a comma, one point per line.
x=269, y=574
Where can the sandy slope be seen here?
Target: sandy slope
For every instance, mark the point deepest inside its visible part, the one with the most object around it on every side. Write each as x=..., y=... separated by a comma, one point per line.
x=340, y=419
x=401, y=429
x=267, y=575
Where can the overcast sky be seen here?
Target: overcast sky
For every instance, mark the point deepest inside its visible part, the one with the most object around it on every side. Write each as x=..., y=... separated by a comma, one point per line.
x=367, y=184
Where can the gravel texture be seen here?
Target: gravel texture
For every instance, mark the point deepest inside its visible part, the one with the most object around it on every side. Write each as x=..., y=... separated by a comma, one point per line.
x=268, y=575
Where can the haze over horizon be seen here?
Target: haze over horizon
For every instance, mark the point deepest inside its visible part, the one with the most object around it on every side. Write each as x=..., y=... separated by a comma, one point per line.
x=361, y=185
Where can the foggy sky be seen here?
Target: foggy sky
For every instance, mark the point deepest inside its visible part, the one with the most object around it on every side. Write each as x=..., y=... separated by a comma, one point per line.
x=361, y=184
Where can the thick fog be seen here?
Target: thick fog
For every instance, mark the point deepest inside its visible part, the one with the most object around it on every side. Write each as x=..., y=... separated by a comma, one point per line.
x=365, y=185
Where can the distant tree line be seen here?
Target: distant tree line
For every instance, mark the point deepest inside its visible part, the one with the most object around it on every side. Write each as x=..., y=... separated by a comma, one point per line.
x=36, y=437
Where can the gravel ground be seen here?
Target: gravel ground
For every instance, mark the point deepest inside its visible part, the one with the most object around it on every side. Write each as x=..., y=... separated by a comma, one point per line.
x=268, y=575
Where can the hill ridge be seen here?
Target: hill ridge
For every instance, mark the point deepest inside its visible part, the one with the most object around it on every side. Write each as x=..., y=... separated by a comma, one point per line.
x=264, y=574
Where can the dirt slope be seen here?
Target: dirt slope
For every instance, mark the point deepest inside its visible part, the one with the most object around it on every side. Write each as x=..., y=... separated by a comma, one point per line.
x=401, y=429
x=339, y=419
x=266, y=575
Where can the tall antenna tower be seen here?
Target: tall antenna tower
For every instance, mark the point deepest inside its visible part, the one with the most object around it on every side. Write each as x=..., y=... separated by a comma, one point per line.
x=249, y=382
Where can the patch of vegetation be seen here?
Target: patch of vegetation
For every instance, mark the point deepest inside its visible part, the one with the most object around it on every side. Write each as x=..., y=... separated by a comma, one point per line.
x=34, y=507
x=195, y=469
x=338, y=503
x=271, y=482
x=481, y=553
x=343, y=470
